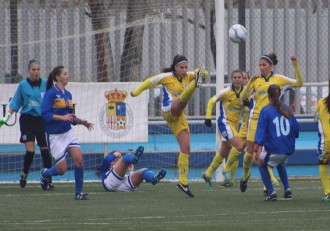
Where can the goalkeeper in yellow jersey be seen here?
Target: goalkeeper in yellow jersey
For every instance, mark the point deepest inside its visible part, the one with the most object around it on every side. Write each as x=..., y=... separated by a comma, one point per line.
x=231, y=108
x=322, y=116
x=179, y=85
x=257, y=87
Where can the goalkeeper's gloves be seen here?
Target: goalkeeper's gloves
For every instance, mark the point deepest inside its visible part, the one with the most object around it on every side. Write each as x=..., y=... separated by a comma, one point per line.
x=208, y=122
x=4, y=119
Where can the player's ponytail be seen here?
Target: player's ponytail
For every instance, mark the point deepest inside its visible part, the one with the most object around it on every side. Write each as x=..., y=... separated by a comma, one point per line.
x=274, y=92
x=52, y=76
x=177, y=59
x=271, y=58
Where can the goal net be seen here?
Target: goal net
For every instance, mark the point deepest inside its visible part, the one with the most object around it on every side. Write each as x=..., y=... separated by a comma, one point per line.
x=108, y=48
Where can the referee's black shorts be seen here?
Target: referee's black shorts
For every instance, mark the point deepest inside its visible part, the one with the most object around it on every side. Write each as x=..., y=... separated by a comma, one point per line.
x=32, y=128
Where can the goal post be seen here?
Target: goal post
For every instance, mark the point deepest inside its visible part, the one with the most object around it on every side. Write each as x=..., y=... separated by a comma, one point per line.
x=220, y=71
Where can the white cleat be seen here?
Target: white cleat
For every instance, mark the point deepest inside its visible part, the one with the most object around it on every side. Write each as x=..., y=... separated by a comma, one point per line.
x=199, y=76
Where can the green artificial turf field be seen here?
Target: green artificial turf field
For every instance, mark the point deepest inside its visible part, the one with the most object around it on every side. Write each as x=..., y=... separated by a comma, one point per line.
x=163, y=207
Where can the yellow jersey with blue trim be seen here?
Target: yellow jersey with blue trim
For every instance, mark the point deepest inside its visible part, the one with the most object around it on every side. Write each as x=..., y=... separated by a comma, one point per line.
x=172, y=86
x=322, y=116
x=231, y=106
x=258, y=90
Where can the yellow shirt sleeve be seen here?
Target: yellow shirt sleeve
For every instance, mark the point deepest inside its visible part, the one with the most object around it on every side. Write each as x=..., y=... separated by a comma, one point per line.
x=209, y=109
x=247, y=89
x=299, y=82
x=142, y=87
x=216, y=98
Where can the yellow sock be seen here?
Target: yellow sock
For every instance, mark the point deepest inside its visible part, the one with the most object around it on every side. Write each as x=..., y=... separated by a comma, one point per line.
x=232, y=157
x=233, y=170
x=247, y=163
x=324, y=175
x=272, y=177
x=217, y=160
x=188, y=92
x=183, y=164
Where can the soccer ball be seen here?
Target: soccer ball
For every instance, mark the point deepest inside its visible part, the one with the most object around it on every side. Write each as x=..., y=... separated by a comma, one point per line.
x=237, y=33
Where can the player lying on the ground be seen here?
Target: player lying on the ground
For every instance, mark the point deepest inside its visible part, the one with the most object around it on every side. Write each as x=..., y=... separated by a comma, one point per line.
x=115, y=166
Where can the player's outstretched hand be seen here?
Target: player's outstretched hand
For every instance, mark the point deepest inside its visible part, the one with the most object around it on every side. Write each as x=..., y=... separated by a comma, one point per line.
x=208, y=122
x=88, y=125
x=255, y=157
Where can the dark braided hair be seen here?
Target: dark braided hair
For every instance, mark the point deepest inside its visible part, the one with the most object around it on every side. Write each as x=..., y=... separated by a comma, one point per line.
x=52, y=76
x=274, y=92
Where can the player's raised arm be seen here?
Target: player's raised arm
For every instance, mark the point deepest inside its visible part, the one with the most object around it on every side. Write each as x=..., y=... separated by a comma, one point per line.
x=296, y=67
x=246, y=90
x=210, y=106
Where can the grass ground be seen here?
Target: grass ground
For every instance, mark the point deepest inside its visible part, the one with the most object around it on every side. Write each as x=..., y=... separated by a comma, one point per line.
x=163, y=207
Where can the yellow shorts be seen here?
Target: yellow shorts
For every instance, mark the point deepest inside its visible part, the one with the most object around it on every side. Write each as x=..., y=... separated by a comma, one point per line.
x=253, y=123
x=324, y=157
x=176, y=123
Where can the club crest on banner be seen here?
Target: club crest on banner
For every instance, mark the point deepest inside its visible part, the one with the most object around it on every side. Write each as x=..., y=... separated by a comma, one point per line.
x=116, y=117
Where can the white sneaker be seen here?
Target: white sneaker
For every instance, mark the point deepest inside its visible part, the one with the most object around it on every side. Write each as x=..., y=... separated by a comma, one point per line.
x=199, y=76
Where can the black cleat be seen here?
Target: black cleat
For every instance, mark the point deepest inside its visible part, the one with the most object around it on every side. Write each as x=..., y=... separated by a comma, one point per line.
x=185, y=189
x=271, y=197
x=50, y=186
x=243, y=183
x=287, y=194
x=81, y=196
x=23, y=179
